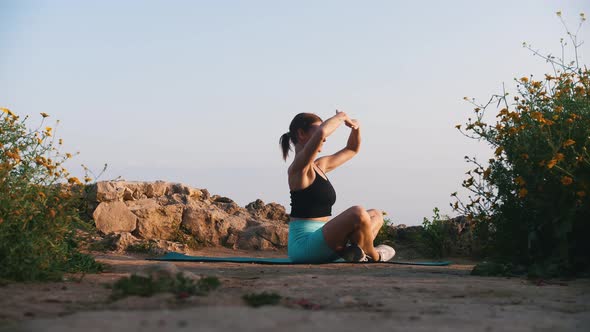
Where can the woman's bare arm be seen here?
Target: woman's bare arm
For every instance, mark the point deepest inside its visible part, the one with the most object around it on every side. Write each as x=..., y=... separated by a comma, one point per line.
x=329, y=163
x=304, y=160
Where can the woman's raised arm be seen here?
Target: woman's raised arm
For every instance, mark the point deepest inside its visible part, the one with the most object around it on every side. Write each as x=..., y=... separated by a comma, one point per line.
x=309, y=153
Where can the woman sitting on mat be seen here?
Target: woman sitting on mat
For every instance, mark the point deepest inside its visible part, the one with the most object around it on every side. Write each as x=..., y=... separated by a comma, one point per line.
x=312, y=238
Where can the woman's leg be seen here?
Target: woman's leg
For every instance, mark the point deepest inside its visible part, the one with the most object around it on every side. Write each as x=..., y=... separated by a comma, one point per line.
x=354, y=224
x=376, y=221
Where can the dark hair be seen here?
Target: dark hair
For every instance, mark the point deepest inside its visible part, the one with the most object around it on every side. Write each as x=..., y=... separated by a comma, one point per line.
x=300, y=121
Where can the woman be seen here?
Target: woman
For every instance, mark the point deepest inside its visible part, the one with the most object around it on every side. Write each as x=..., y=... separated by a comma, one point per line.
x=312, y=238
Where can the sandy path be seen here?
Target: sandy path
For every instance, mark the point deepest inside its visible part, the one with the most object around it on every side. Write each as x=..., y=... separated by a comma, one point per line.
x=333, y=296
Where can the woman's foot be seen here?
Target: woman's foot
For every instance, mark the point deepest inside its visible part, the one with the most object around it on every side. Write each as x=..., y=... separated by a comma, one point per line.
x=353, y=253
x=385, y=252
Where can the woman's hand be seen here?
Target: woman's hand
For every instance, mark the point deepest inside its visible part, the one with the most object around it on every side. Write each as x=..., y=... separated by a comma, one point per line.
x=353, y=124
x=350, y=123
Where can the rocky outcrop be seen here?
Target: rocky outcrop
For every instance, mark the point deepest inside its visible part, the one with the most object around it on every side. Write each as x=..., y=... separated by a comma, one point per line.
x=112, y=217
x=161, y=212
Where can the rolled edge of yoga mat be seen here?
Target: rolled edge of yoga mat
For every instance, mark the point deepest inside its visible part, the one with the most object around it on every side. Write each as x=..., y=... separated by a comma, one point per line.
x=175, y=256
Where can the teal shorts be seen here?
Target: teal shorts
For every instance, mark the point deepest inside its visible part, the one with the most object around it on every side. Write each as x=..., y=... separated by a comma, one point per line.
x=307, y=244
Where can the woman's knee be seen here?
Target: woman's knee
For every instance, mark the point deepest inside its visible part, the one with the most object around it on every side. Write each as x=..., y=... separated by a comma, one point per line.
x=361, y=215
x=375, y=212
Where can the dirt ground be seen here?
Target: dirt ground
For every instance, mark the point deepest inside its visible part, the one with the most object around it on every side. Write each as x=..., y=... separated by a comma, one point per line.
x=343, y=297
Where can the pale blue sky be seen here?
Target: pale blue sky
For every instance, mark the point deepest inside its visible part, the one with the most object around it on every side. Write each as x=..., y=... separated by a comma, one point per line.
x=199, y=92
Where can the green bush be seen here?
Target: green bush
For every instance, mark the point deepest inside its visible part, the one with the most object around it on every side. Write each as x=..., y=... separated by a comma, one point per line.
x=179, y=285
x=260, y=299
x=39, y=203
x=385, y=234
x=439, y=236
x=530, y=201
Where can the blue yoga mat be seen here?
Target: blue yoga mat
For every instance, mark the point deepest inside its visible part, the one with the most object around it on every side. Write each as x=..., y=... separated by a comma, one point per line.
x=178, y=257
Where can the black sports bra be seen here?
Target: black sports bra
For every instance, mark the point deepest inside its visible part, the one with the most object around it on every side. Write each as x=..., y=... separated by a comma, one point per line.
x=315, y=200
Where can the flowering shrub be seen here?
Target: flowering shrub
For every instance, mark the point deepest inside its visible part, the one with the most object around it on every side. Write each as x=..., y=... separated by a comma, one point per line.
x=39, y=203
x=530, y=202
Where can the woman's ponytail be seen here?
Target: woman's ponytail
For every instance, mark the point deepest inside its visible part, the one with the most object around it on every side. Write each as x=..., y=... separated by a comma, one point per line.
x=300, y=121
x=285, y=142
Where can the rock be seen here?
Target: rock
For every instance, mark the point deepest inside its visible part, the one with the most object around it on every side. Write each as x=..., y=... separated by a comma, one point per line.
x=271, y=212
x=142, y=204
x=178, y=188
x=229, y=208
x=162, y=212
x=111, y=217
x=210, y=225
x=156, y=189
x=255, y=206
x=263, y=237
x=163, y=247
x=221, y=199
x=206, y=194
x=158, y=222
x=197, y=194
x=109, y=191
x=195, y=220
x=120, y=241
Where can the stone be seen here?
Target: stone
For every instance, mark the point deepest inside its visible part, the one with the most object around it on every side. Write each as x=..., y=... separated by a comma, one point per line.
x=111, y=217
x=229, y=208
x=264, y=237
x=108, y=191
x=271, y=212
x=120, y=241
x=221, y=199
x=210, y=225
x=158, y=222
x=156, y=189
x=162, y=212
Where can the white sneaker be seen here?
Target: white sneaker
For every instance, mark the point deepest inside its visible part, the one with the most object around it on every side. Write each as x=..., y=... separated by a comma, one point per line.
x=386, y=252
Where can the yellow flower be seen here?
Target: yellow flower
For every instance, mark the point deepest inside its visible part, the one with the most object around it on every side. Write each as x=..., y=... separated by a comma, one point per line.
x=581, y=193
x=458, y=126
x=499, y=151
x=568, y=143
x=48, y=129
x=43, y=114
x=559, y=156
x=551, y=163
x=7, y=111
x=522, y=193
x=524, y=79
x=68, y=155
x=524, y=156
x=87, y=179
x=39, y=140
x=566, y=180
x=60, y=141
x=520, y=181
x=74, y=180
